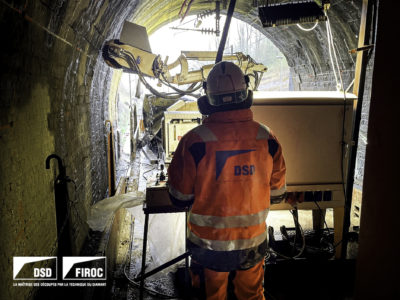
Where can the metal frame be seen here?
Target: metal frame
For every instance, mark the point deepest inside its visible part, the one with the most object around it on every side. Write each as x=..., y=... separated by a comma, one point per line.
x=143, y=274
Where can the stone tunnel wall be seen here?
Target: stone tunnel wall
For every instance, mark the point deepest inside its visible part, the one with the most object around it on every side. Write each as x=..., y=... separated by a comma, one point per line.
x=54, y=99
x=307, y=51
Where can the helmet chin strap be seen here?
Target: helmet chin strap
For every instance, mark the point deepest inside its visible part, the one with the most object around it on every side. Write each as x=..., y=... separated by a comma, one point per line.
x=206, y=108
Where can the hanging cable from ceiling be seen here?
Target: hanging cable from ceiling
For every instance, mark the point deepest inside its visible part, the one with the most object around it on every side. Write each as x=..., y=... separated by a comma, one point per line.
x=308, y=29
x=332, y=50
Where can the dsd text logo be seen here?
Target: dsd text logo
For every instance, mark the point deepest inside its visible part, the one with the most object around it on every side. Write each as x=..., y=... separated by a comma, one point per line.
x=84, y=268
x=35, y=267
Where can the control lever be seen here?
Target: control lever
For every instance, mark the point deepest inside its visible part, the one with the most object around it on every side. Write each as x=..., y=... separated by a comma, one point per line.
x=162, y=175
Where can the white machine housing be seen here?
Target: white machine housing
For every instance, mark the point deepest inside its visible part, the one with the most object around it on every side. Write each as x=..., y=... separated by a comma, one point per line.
x=179, y=118
x=314, y=129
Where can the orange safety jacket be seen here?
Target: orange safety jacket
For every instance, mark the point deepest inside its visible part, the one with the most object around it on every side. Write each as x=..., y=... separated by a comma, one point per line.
x=228, y=168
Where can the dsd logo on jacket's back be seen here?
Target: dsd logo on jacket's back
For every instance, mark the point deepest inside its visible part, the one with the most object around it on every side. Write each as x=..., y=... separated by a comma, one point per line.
x=84, y=268
x=35, y=267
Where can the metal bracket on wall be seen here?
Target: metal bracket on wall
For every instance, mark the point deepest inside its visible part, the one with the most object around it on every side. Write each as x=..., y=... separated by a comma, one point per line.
x=363, y=48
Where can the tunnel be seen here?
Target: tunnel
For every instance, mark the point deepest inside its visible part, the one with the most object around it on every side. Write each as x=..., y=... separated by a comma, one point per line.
x=59, y=136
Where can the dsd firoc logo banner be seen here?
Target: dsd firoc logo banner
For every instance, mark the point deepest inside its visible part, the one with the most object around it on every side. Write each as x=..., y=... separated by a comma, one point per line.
x=84, y=268
x=35, y=267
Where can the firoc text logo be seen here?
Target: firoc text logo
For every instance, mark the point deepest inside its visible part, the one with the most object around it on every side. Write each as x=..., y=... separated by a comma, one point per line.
x=84, y=268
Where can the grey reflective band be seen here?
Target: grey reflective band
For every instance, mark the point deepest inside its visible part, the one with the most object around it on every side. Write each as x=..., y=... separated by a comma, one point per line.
x=227, y=245
x=229, y=222
x=263, y=132
x=205, y=133
x=178, y=195
x=278, y=192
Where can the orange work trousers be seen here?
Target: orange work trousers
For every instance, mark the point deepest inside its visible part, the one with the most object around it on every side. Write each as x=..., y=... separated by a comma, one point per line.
x=247, y=284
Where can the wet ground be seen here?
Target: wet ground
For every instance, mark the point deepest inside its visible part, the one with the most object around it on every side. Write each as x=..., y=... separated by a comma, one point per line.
x=315, y=277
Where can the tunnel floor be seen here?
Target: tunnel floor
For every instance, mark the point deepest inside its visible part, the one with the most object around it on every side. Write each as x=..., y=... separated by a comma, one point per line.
x=319, y=278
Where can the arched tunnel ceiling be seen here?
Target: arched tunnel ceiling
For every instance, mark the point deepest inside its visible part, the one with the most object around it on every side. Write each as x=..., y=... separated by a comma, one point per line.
x=306, y=52
x=153, y=14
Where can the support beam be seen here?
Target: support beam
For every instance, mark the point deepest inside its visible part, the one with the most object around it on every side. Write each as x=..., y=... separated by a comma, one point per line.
x=358, y=90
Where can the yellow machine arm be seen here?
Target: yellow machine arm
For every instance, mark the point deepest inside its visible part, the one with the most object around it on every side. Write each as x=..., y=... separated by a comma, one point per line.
x=135, y=60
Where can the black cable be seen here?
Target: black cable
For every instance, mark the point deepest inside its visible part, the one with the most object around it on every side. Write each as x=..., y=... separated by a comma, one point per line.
x=297, y=223
x=171, y=96
x=134, y=66
x=327, y=228
x=189, y=91
x=129, y=58
x=320, y=210
x=296, y=230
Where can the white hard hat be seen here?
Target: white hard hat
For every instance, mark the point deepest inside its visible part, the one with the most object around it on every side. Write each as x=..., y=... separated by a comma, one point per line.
x=226, y=84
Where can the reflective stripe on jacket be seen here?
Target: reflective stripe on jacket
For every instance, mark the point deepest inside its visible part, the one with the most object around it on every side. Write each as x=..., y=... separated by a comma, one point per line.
x=230, y=166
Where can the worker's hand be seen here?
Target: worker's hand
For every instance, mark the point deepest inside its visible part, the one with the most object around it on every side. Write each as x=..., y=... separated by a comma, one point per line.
x=294, y=197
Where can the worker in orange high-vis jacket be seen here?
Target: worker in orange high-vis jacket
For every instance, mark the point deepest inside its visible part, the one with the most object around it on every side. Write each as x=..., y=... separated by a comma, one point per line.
x=227, y=170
